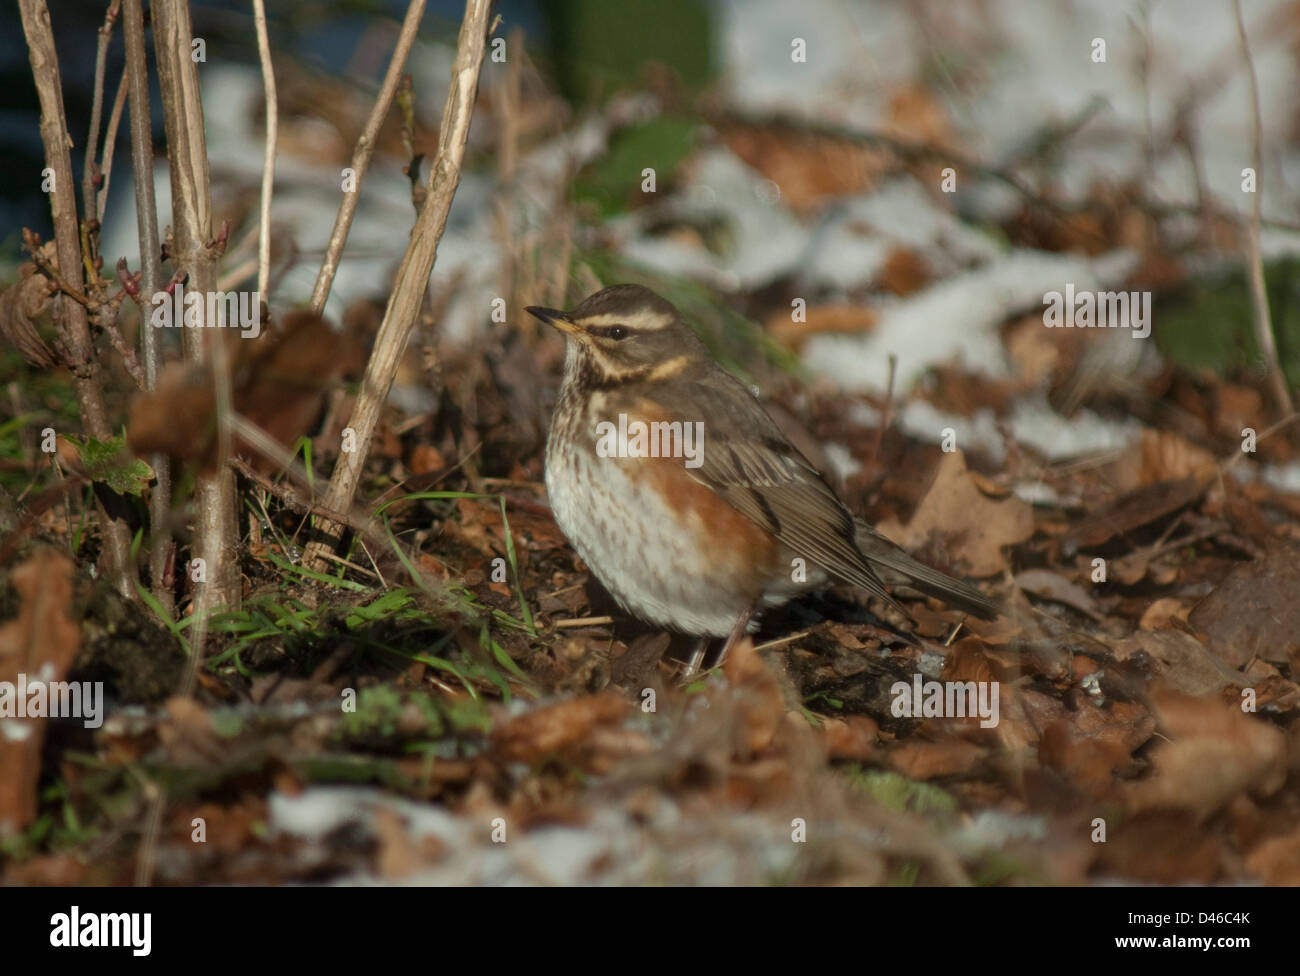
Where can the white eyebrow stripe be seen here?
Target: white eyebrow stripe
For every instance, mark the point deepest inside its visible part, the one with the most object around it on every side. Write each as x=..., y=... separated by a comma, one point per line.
x=651, y=322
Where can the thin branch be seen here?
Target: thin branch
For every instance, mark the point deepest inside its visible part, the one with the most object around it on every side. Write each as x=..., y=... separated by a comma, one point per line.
x=1254, y=255
x=110, y=145
x=97, y=109
x=73, y=325
x=361, y=156
x=268, y=155
x=146, y=219
x=196, y=251
x=124, y=350
x=413, y=275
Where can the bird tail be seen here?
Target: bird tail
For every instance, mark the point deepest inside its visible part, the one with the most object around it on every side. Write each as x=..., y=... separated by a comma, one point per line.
x=896, y=567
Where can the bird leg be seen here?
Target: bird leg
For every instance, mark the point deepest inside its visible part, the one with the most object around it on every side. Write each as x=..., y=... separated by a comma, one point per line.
x=696, y=659
x=694, y=665
x=737, y=632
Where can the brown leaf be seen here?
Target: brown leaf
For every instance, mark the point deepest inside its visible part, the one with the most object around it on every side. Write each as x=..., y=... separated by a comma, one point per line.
x=1023, y=714
x=26, y=300
x=1089, y=744
x=1162, y=846
x=905, y=271
x=1162, y=613
x=811, y=169
x=1255, y=611
x=851, y=737
x=917, y=115
x=1136, y=508
x=425, y=459
x=1054, y=586
x=1276, y=861
x=176, y=417
x=1160, y=455
x=278, y=382
x=973, y=527
x=398, y=855
x=1034, y=351
x=188, y=734
x=819, y=319
x=40, y=643
x=761, y=698
x=1214, y=753
x=1183, y=663
x=555, y=729
x=921, y=760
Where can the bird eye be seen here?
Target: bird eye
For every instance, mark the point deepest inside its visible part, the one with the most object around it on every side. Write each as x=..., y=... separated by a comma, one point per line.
x=615, y=332
x=618, y=332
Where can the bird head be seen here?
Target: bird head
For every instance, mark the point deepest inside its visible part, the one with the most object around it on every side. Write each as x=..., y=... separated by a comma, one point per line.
x=626, y=332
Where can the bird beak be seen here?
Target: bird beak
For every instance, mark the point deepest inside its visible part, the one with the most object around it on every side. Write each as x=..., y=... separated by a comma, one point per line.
x=553, y=316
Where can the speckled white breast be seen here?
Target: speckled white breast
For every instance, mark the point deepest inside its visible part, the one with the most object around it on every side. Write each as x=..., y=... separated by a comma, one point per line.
x=645, y=553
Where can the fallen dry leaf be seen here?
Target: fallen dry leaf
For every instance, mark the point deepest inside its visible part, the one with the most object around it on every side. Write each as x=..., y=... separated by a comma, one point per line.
x=851, y=737
x=1160, y=455
x=1276, y=861
x=920, y=760
x=21, y=303
x=811, y=169
x=278, y=382
x=1213, y=753
x=819, y=319
x=1055, y=587
x=1161, y=614
x=1255, y=611
x=1161, y=846
x=905, y=271
x=40, y=643
x=1089, y=744
x=973, y=526
x=188, y=734
x=555, y=729
x=760, y=697
x=1182, y=662
x=1134, y=509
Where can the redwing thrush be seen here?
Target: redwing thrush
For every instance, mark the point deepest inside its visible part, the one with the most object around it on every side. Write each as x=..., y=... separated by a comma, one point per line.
x=682, y=494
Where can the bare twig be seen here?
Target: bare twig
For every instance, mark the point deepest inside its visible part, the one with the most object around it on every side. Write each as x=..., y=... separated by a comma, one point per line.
x=885, y=414
x=50, y=271
x=576, y=622
x=110, y=145
x=268, y=155
x=97, y=109
x=146, y=218
x=194, y=251
x=1254, y=256
x=125, y=351
x=361, y=156
x=413, y=275
x=74, y=327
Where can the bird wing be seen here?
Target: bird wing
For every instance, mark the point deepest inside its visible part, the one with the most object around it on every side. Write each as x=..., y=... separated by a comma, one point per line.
x=749, y=462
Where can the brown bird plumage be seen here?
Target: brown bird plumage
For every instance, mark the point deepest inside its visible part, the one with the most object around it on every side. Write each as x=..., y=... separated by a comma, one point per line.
x=698, y=544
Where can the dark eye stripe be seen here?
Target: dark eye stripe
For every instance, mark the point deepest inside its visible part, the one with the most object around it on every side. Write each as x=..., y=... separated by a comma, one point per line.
x=609, y=331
